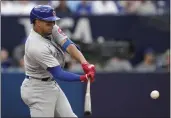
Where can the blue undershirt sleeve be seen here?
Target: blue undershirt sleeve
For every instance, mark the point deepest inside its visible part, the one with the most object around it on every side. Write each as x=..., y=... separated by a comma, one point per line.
x=59, y=73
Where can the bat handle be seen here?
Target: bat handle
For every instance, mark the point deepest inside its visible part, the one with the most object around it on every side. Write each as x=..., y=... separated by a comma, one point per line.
x=88, y=86
x=87, y=108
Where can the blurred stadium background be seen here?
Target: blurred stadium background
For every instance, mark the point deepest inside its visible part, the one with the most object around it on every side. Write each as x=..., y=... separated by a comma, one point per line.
x=128, y=41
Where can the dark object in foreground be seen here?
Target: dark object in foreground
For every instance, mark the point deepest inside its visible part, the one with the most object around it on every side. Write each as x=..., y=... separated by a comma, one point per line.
x=87, y=113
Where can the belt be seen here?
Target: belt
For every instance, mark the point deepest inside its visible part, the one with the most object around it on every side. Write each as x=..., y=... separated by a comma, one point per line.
x=42, y=79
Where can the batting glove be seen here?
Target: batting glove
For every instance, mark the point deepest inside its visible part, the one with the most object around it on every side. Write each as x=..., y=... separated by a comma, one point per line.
x=90, y=75
x=88, y=67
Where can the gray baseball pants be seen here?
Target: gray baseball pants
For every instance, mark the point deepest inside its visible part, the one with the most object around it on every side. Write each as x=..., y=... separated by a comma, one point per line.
x=45, y=99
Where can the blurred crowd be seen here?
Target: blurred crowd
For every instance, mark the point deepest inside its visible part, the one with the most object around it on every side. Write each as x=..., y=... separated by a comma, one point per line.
x=151, y=62
x=87, y=7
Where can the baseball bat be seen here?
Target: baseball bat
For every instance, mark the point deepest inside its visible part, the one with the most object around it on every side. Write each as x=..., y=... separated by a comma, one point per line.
x=87, y=104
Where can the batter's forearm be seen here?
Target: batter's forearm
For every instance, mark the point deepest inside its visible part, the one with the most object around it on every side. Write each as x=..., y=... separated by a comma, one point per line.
x=60, y=74
x=75, y=53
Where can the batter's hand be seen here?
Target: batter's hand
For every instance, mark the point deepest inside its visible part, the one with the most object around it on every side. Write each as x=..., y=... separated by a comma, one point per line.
x=88, y=67
x=90, y=75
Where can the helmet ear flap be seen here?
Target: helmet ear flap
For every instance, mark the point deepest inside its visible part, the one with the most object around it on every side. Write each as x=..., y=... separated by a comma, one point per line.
x=32, y=18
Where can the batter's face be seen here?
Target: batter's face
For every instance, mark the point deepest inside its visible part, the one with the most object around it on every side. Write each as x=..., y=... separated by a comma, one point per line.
x=46, y=27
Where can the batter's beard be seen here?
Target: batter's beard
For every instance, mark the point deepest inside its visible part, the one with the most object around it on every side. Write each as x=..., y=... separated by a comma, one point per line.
x=47, y=34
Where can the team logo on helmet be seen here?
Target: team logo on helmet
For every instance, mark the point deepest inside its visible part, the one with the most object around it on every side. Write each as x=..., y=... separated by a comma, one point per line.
x=54, y=14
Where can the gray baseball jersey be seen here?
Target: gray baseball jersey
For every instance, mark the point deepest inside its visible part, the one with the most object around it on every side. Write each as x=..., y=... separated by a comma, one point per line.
x=40, y=54
x=44, y=98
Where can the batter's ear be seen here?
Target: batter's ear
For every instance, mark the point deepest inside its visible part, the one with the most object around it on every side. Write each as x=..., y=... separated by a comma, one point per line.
x=37, y=22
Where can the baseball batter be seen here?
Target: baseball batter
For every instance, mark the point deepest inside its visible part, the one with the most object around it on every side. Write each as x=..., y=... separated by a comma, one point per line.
x=44, y=60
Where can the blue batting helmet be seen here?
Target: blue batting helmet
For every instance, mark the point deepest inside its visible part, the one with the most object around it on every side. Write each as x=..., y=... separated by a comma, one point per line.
x=43, y=12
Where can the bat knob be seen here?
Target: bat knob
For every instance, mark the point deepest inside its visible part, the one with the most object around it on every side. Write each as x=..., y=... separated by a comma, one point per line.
x=87, y=113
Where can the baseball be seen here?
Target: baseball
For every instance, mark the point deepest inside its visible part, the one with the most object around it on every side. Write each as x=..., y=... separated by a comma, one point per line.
x=154, y=94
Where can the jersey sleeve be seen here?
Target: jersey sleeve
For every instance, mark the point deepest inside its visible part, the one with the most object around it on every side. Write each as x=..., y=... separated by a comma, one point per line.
x=44, y=57
x=58, y=35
